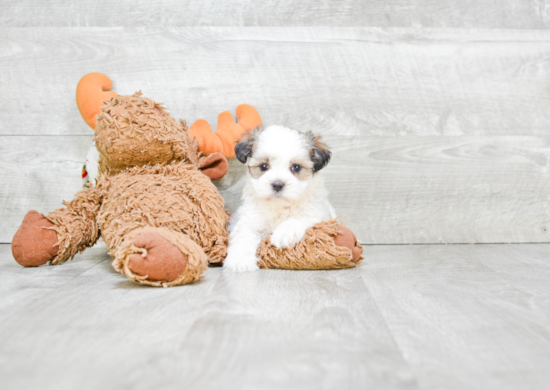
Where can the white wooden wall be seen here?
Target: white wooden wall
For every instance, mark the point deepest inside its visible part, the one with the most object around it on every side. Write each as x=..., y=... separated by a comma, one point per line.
x=438, y=113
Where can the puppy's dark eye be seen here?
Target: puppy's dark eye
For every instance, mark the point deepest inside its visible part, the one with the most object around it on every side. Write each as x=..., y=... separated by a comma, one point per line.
x=295, y=168
x=264, y=167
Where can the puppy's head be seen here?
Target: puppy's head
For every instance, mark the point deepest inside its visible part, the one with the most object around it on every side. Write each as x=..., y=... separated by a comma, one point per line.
x=282, y=162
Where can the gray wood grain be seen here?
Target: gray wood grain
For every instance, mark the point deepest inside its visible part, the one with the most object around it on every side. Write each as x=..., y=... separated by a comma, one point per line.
x=390, y=189
x=439, y=136
x=355, y=81
x=272, y=329
x=38, y=173
x=435, y=189
x=410, y=317
x=393, y=13
x=461, y=324
x=527, y=268
x=21, y=286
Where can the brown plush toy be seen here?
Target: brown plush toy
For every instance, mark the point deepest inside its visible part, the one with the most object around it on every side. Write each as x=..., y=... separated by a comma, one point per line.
x=160, y=215
x=154, y=204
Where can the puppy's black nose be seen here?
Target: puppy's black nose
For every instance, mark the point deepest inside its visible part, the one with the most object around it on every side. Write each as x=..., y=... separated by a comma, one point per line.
x=277, y=185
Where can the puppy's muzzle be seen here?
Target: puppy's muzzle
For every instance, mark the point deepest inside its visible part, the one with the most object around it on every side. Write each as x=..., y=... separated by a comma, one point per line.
x=277, y=186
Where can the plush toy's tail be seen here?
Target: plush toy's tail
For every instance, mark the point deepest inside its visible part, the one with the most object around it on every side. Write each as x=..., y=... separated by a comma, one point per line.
x=90, y=95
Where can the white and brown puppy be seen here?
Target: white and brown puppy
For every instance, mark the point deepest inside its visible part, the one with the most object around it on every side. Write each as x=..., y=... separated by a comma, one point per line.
x=284, y=193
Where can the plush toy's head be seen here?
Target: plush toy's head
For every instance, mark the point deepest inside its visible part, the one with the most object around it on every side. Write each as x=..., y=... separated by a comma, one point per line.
x=136, y=131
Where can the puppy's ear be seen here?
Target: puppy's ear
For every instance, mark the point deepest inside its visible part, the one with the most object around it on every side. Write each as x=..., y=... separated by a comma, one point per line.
x=320, y=155
x=245, y=146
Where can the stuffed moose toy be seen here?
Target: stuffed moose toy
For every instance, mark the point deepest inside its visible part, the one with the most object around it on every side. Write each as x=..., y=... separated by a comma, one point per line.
x=154, y=203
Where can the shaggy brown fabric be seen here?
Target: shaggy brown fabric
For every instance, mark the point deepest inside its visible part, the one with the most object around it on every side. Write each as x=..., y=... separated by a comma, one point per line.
x=135, y=131
x=176, y=196
x=35, y=242
x=197, y=261
x=317, y=250
x=76, y=224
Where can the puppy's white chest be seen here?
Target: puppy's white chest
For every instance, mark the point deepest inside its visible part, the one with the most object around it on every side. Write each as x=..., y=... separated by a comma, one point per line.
x=280, y=215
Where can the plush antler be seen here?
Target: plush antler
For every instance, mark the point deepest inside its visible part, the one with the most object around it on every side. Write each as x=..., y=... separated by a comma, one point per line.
x=227, y=133
x=90, y=95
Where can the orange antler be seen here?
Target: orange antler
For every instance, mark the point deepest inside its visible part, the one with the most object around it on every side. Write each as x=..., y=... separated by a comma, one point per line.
x=227, y=133
x=90, y=95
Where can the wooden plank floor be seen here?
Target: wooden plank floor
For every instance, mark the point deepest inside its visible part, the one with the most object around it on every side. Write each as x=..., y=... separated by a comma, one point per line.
x=411, y=317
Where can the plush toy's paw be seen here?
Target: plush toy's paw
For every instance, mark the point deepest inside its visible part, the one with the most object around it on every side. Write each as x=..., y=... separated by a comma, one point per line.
x=34, y=243
x=287, y=234
x=347, y=238
x=240, y=261
x=163, y=261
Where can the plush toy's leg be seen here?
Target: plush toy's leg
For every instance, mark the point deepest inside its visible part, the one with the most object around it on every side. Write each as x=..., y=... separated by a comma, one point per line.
x=160, y=257
x=59, y=235
x=76, y=225
x=326, y=245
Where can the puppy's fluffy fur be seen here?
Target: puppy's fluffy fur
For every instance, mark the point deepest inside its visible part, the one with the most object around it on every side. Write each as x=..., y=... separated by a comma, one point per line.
x=284, y=192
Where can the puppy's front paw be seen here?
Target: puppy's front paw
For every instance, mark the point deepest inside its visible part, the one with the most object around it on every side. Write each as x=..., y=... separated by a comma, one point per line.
x=240, y=262
x=286, y=235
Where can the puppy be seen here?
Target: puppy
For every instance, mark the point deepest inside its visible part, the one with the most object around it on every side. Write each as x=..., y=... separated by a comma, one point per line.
x=284, y=193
